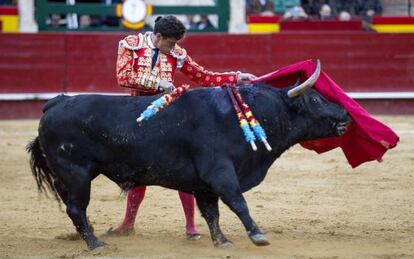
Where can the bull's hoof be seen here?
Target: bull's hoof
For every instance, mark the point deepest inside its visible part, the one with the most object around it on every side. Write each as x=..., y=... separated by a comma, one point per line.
x=225, y=245
x=119, y=232
x=259, y=240
x=96, y=244
x=193, y=237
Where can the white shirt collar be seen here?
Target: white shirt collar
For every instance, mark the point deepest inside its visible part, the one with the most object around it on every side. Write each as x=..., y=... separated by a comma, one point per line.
x=148, y=34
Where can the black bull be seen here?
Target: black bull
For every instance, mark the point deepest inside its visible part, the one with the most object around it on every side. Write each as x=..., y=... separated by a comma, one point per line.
x=194, y=145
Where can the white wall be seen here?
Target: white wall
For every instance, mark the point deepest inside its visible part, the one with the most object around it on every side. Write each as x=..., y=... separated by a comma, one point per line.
x=27, y=22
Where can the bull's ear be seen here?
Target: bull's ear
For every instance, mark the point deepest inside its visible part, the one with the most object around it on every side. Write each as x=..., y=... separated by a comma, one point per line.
x=298, y=90
x=296, y=103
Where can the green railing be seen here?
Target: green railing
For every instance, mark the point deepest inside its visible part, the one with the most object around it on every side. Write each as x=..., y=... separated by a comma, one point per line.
x=44, y=9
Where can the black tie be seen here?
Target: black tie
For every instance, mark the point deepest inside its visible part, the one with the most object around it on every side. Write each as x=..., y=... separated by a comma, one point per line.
x=154, y=58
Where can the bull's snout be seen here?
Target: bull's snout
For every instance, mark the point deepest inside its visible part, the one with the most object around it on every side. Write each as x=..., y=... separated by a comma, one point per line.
x=342, y=126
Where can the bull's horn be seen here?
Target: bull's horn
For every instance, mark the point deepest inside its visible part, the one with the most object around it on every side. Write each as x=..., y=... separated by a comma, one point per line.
x=307, y=84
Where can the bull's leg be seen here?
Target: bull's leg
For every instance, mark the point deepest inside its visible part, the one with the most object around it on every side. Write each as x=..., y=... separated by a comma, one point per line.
x=61, y=191
x=74, y=186
x=236, y=202
x=64, y=196
x=208, y=205
x=225, y=184
x=77, y=203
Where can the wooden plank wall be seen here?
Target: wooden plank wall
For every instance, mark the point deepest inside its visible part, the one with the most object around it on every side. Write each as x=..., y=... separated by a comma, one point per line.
x=85, y=62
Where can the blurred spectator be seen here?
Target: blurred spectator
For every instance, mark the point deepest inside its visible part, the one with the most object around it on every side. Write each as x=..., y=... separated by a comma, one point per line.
x=111, y=21
x=367, y=20
x=295, y=13
x=7, y=2
x=368, y=8
x=85, y=21
x=204, y=23
x=312, y=7
x=55, y=20
x=259, y=7
x=280, y=6
x=91, y=21
x=199, y=23
x=362, y=8
x=349, y=6
x=344, y=16
x=189, y=22
x=325, y=13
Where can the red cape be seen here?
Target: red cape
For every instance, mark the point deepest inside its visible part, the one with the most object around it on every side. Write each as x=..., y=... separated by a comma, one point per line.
x=366, y=138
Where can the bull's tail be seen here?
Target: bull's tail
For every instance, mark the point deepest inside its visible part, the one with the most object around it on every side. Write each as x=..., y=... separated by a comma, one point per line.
x=42, y=173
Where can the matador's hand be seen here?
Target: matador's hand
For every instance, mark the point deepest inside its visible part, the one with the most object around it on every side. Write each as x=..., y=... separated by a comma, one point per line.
x=165, y=86
x=245, y=77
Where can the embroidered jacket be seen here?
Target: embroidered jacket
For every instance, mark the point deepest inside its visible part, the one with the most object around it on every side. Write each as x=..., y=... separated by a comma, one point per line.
x=134, y=66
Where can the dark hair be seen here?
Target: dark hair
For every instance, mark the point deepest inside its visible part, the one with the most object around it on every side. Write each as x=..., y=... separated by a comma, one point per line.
x=169, y=27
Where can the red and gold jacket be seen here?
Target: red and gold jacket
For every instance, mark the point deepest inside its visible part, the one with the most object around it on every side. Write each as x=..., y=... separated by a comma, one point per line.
x=134, y=71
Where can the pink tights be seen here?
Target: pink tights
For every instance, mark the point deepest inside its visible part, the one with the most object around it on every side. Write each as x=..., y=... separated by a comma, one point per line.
x=135, y=197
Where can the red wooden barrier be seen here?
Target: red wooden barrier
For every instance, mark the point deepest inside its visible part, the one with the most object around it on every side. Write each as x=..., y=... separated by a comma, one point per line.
x=393, y=24
x=85, y=62
x=321, y=25
x=393, y=20
x=32, y=63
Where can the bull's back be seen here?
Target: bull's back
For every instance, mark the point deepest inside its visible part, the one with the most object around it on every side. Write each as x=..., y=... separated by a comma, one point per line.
x=66, y=115
x=54, y=101
x=196, y=120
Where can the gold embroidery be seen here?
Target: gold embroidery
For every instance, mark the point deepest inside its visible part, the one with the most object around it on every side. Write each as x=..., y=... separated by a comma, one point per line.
x=144, y=61
x=199, y=67
x=142, y=80
x=166, y=67
x=195, y=65
x=166, y=76
x=163, y=57
x=143, y=69
x=147, y=53
x=151, y=81
x=132, y=40
x=178, y=52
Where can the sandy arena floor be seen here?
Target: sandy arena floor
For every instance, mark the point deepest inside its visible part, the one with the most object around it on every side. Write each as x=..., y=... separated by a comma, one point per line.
x=309, y=206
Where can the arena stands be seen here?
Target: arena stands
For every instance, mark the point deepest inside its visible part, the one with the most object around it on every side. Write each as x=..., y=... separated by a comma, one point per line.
x=9, y=19
x=328, y=15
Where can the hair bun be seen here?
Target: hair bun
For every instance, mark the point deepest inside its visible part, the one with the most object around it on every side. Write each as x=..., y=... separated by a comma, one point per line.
x=158, y=18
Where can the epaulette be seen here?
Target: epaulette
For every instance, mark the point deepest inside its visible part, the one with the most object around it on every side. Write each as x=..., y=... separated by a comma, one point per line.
x=133, y=42
x=178, y=52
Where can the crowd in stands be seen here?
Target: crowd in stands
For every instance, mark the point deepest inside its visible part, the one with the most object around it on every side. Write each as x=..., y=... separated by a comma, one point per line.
x=8, y=2
x=323, y=10
x=288, y=10
x=192, y=22
x=82, y=21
